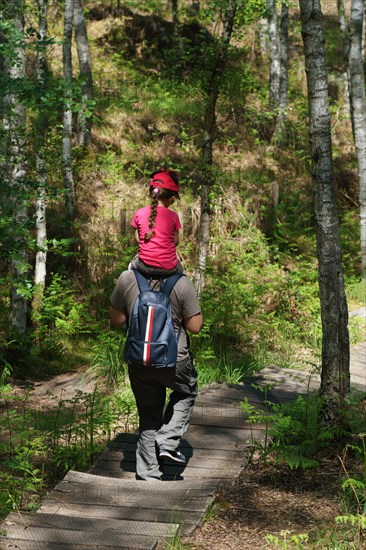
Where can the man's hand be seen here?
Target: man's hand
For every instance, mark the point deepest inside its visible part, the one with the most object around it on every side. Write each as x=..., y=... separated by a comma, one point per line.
x=194, y=324
x=116, y=317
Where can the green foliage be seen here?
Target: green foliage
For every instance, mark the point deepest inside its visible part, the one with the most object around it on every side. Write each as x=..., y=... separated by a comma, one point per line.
x=293, y=433
x=350, y=240
x=265, y=306
x=108, y=362
x=22, y=479
x=354, y=486
x=297, y=432
x=62, y=317
x=358, y=520
x=287, y=540
x=39, y=446
x=217, y=365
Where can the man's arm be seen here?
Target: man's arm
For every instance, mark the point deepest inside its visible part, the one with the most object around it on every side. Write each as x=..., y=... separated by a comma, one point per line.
x=194, y=324
x=116, y=317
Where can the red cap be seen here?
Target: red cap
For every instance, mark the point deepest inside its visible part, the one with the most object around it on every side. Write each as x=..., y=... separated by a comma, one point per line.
x=165, y=179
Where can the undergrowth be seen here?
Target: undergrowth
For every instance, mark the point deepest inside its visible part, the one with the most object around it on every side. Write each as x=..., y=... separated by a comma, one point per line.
x=38, y=446
x=295, y=436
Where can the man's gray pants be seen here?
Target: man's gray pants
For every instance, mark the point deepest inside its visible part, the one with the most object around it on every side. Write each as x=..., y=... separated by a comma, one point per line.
x=159, y=429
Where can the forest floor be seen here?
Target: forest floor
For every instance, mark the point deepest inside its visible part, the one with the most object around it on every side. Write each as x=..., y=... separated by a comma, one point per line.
x=267, y=499
x=270, y=499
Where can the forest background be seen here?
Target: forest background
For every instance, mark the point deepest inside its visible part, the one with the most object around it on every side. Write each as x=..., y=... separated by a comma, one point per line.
x=87, y=117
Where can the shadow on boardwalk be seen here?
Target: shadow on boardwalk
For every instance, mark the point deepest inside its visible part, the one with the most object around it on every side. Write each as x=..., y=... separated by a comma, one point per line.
x=107, y=508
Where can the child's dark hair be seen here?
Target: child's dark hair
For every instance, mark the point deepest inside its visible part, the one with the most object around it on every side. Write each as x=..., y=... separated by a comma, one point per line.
x=156, y=194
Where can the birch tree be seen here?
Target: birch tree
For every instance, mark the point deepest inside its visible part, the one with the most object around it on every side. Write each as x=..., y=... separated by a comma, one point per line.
x=209, y=134
x=41, y=228
x=279, y=133
x=274, y=55
x=70, y=202
x=335, y=377
x=14, y=129
x=358, y=112
x=175, y=18
x=86, y=75
x=346, y=45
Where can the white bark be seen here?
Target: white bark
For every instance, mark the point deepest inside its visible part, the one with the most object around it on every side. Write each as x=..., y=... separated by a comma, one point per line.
x=346, y=45
x=14, y=126
x=67, y=114
x=279, y=133
x=41, y=228
x=358, y=110
x=263, y=36
x=274, y=55
x=85, y=65
x=335, y=377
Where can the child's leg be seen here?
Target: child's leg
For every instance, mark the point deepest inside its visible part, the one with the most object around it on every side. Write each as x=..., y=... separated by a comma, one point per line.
x=133, y=263
x=151, y=271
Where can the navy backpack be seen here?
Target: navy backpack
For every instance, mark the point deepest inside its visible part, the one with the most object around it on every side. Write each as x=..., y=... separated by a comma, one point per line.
x=151, y=338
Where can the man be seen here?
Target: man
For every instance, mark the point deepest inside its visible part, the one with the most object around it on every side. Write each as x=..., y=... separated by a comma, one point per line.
x=160, y=433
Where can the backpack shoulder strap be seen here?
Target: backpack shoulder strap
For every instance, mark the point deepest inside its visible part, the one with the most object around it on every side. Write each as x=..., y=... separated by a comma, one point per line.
x=170, y=282
x=141, y=281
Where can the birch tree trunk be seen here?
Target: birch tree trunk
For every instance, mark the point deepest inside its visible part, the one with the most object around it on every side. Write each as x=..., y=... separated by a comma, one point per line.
x=274, y=55
x=86, y=75
x=209, y=134
x=358, y=111
x=14, y=126
x=346, y=45
x=67, y=114
x=41, y=228
x=279, y=133
x=175, y=18
x=335, y=377
x=263, y=36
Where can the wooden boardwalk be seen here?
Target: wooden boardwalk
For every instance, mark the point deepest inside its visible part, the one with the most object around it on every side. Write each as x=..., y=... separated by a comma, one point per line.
x=107, y=508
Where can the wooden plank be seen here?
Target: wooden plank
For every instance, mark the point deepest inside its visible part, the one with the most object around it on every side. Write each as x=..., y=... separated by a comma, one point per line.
x=188, y=451
x=358, y=348
x=194, y=457
x=217, y=421
x=139, y=488
x=53, y=521
x=359, y=377
x=358, y=366
x=105, y=539
x=181, y=516
x=18, y=544
x=209, y=437
x=231, y=392
x=183, y=471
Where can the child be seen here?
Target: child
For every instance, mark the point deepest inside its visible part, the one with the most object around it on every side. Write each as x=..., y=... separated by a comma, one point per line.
x=157, y=228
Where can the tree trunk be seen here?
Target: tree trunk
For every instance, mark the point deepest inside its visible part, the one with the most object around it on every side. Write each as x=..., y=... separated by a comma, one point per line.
x=41, y=228
x=14, y=125
x=280, y=130
x=263, y=36
x=346, y=45
x=209, y=131
x=335, y=378
x=358, y=110
x=86, y=76
x=274, y=55
x=175, y=18
x=67, y=114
